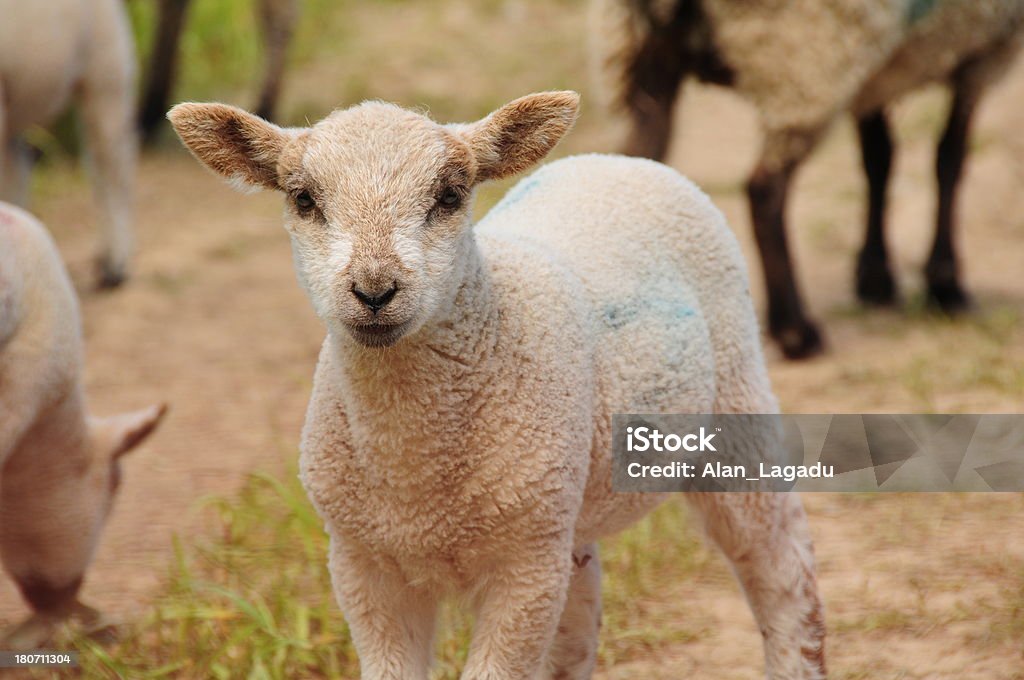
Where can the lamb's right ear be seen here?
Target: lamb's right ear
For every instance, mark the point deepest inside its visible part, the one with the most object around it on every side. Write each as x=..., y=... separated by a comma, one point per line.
x=231, y=142
x=520, y=133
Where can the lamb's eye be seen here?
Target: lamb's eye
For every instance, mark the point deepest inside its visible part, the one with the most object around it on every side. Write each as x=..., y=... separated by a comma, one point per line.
x=450, y=198
x=304, y=202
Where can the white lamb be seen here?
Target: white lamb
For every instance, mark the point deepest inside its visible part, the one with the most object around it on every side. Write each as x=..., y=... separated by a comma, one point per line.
x=59, y=466
x=54, y=52
x=458, y=438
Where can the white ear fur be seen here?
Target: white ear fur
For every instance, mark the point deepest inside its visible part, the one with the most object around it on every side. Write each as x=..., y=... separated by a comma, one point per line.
x=242, y=147
x=521, y=133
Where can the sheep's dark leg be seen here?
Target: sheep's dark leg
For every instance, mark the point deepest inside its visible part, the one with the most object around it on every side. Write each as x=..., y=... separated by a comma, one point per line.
x=942, y=273
x=277, y=20
x=650, y=80
x=163, y=66
x=767, y=190
x=650, y=98
x=875, y=284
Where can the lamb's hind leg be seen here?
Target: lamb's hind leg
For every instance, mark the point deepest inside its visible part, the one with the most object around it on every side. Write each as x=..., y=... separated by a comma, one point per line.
x=574, y=652
x=766, y=540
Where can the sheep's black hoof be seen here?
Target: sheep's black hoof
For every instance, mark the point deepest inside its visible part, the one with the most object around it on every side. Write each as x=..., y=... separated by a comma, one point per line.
x=800, y=341
x=109, y=275
x=948, y=297
x=875, y=284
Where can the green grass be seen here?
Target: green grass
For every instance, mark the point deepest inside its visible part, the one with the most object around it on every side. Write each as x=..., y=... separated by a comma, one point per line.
x=252, y=599
x=221, y=46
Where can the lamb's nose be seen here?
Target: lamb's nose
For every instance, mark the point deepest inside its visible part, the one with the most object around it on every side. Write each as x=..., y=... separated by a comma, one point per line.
x=373, y=300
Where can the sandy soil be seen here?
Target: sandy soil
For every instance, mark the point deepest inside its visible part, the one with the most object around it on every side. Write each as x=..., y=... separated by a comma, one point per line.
x=915, y=586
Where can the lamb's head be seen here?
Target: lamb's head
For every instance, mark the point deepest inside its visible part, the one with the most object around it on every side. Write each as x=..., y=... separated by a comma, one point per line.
x=51, y=518
x=377, y=197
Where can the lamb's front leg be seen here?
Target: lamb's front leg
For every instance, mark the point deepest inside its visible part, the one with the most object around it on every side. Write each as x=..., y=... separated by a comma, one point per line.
x=392, y=622
x=518, y=613
x=573, y=653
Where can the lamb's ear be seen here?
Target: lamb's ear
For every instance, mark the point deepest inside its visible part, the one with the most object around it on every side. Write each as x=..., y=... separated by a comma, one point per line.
x=232, y=142
x=520, y=133
x=128, y=430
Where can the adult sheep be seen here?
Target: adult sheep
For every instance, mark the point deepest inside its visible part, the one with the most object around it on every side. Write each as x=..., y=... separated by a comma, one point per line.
x=59, y=466
x=54, y=52
x=458, y=440
x=802, y=63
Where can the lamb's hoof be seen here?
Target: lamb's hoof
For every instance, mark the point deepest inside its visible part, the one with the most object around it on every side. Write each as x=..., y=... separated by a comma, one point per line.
x=110, y=275
x=799, y=341
x=94, y=623
x=875, y=284
x=35, y=632
x=948, y=297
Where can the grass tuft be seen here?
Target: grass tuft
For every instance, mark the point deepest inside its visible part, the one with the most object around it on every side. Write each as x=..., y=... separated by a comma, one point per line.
x=254, y=599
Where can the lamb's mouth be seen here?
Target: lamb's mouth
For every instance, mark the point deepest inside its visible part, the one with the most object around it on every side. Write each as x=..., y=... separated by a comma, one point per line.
x=378, y=334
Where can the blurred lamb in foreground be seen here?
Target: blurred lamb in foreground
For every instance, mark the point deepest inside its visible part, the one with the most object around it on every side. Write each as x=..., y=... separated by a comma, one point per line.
x=56, y=52
x=803, y=63
x=458, y=440
x=59, y=466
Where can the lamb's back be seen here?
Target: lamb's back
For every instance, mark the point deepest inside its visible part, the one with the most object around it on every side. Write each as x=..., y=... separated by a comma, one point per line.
x=40, y=336
x=657, y=263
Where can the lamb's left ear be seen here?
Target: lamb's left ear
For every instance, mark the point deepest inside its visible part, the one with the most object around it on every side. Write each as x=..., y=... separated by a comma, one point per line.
x=232, y=142
x=128, y=430
x=520, y=133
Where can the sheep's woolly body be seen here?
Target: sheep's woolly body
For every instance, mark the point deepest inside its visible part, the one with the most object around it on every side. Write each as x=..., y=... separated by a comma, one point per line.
x=59, y=465
x=40, y=365
x=40, y=341
x=458, y=436
x=853, y=54
x=582, y=307
x=605, y=285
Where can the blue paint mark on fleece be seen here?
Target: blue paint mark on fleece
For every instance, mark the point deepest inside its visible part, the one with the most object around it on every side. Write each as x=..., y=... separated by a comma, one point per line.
x=619, y=315
x=919, y=9
x=517, y=194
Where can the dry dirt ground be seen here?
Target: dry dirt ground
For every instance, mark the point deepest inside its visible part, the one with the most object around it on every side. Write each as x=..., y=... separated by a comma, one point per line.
x=915, y=586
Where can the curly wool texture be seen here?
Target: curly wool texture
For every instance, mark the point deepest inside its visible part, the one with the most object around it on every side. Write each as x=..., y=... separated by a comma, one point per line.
x=801, y=62
x=581, y=305
x=474, y=457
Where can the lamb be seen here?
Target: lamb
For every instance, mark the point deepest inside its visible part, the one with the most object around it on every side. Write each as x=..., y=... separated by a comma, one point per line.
x=59, y=466
x=53, y=52
x=458, y=437
x=803, y=63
